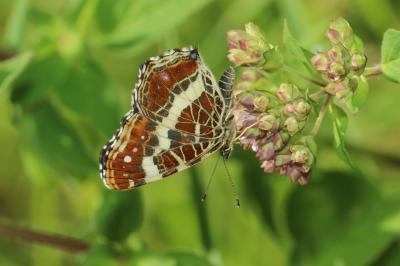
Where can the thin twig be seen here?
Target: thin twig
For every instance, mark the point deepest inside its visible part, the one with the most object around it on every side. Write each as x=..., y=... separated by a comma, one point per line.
x=57, y=241
x=321, y=115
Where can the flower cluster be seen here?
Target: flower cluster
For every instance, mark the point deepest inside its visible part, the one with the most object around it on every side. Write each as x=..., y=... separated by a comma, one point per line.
x=343, y=63
x=246, y=47
x=266, y=121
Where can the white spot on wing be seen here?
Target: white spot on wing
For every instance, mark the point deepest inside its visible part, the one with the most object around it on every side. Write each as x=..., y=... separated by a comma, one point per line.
x=127, y=159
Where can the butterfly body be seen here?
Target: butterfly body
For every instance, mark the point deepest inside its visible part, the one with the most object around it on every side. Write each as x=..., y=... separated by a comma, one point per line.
x=180, y=115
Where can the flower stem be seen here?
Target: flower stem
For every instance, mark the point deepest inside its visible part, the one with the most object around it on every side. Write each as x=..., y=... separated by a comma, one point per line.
x=373, y=71
x=321, y=115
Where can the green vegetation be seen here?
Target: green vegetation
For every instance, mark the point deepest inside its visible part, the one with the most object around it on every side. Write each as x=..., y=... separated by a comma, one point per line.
x=67, y=69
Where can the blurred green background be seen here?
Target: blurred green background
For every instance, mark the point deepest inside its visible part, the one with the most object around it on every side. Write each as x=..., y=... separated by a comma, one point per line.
x=67, y=69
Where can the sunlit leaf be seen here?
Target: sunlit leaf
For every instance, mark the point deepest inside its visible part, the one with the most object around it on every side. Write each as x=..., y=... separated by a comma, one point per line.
x=120, y=214
x=390, y=51
x=339, y=124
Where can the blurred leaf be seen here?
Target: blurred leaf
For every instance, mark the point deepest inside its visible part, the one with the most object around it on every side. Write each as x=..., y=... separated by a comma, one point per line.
x=40, y=76
x=361, y=93
x=390, y=51
x=170, y=259
x=296, y=57
x=339, y=230
x=12, y=68
x=148, y=20
x=53, y=141
x=120, y=214
x=339, y=123
x=108, y=13
x=390, y=257
x=101, y=255
x=15, y=24
x=258, y=188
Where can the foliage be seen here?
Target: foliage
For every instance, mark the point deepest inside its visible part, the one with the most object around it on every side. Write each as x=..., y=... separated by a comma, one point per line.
x=67, y=69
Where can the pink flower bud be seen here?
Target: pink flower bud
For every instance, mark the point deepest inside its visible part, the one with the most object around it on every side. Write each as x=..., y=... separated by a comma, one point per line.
x=320, y=62
x=268, y=166
x=261, y=103
x=358, y=62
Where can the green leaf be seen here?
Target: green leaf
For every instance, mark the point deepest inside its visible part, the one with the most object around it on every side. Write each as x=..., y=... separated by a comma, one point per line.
x=120, y=214
x=338, y=230
x=54, y=143
x=169, y=259
x=15, y=24
x=147, y=21
x=12, y=68
x=297, y=57
x=390, y=51
x=361, y=93
x=339, y=124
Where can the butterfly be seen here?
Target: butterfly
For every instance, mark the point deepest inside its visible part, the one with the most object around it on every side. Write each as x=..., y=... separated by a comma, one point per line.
x=180, y=115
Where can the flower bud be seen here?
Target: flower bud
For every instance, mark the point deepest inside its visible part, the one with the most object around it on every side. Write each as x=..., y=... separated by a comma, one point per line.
x=336, y=71
x=292, y=126
x=261, y=103
x=300, y=154
x=287, y=92
x=302, y=108
x=320, y=62
x=282, y=159
x=358, y=62
x=280, y=140
x=340, y=32
x=250, y=75
x=247, y=100
x=267, y=122
x=289, y=109
x=266, y=152
x=268, y=166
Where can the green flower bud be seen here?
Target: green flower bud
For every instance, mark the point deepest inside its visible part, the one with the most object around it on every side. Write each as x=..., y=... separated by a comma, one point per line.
x=261, y=103
x=358, y=62
x=336, y=71
x=302, y=108
x=267, y=122
x=292, y=126
x=282, y=159
x=300, y=154
x=287, y=92
x=340, y=32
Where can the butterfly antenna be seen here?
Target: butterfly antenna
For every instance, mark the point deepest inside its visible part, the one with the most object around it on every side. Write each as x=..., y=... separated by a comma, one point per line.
x=203, y=198
x=237, y=202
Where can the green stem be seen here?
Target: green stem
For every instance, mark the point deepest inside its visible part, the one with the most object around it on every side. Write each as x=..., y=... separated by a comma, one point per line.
x=321, y=115
x=373, y=71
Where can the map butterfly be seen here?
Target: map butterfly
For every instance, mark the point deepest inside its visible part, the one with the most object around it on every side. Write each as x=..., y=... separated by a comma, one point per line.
x=180, y=115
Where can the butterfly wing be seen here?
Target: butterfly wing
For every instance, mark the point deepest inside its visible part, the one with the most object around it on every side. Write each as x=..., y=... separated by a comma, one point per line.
x=177, y=118
x=145, y=151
